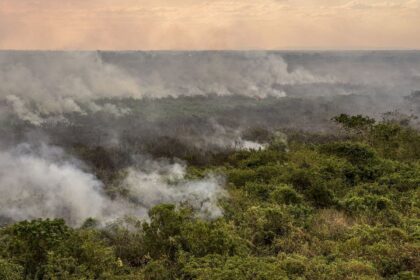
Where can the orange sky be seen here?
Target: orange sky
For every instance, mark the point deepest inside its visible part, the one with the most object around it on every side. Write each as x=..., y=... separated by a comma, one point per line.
x=209, y=24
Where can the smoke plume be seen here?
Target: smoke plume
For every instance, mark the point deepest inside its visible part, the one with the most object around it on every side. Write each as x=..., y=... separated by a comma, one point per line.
x=43, y=182
x=112, y=107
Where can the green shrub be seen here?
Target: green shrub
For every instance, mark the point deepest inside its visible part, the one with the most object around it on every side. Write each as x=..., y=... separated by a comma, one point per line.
x=342, y=206
x=239, y=177
x=285, y=194
x=258, y=190
x=10, y=271
x=355, y=153
x=320, y=196
x=370, y=203
x=214, y=267
x=158, y=270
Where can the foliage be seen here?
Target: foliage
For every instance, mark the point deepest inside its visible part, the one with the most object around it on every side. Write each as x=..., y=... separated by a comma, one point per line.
x=337, y=208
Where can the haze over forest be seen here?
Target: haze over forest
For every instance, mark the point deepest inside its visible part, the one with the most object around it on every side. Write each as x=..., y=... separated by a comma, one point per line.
x=206, y=164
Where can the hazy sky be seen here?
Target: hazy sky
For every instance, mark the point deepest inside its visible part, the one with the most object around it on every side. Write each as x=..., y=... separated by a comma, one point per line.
x=209, y=24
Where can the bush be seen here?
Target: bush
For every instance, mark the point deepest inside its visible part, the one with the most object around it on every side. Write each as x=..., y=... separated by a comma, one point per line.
x=214, y=267
x=48, y=248
x=258, y=190
x=264, y=224
x=320, y=196
x=355, y=153
x=294, y=266
x=320, y=209
x=158, y=270
x=28, y=243
x=10, y=271
x=285, y=194
x=367, y=203
x=239, y=177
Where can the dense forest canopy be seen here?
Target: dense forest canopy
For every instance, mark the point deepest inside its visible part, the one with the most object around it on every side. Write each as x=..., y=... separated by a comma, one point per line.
x=226, y=165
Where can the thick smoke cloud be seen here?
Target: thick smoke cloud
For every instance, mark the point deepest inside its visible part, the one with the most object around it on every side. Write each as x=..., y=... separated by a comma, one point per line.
x=160, y=182
x=43, y=182
x=38, y=85
x=261, y=74
x=189, y=105
x=191, y=74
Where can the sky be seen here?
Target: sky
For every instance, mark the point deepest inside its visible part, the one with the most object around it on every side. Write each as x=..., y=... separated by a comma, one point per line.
x=209, y=24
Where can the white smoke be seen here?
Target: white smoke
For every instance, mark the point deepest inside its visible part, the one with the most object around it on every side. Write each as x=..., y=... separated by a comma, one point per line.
x=55, y=84
x=250, y=145
x=21, y=110
x=164, y=183
x=40, y=85
x=227, y=138
x=43, y=182
x=250, y=74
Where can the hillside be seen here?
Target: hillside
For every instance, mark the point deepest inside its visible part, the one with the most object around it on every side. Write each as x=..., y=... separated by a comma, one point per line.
x=343, y=206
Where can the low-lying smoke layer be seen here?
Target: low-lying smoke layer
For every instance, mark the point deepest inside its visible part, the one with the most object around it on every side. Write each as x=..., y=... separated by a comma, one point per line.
x=43, y=182
x=161, y=182
x=197, y=106
x=38, y=85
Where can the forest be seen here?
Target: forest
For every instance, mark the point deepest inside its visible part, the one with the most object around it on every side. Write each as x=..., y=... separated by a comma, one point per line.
x=209, y=165
x=307, y=205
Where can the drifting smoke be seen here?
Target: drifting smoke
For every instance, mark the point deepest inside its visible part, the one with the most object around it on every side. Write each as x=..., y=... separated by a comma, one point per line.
x=189, y=105
x=54, y=84
x=227, y=138
x=263, y=74
x=42, y=182
x=250, y=145
x=160, y=182
x=38, y=85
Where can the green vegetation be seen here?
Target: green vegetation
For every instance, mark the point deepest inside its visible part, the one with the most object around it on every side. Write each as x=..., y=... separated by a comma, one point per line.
x=343, y=207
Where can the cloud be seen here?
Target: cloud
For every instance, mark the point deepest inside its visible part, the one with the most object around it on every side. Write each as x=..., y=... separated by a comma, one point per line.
x=187, y=24
x=367, y=5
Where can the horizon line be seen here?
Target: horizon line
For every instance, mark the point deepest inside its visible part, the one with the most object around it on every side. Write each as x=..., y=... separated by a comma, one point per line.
x=217, y=50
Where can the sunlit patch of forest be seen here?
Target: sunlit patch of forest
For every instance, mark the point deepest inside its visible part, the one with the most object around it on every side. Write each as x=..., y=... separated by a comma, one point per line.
x=342, y=206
